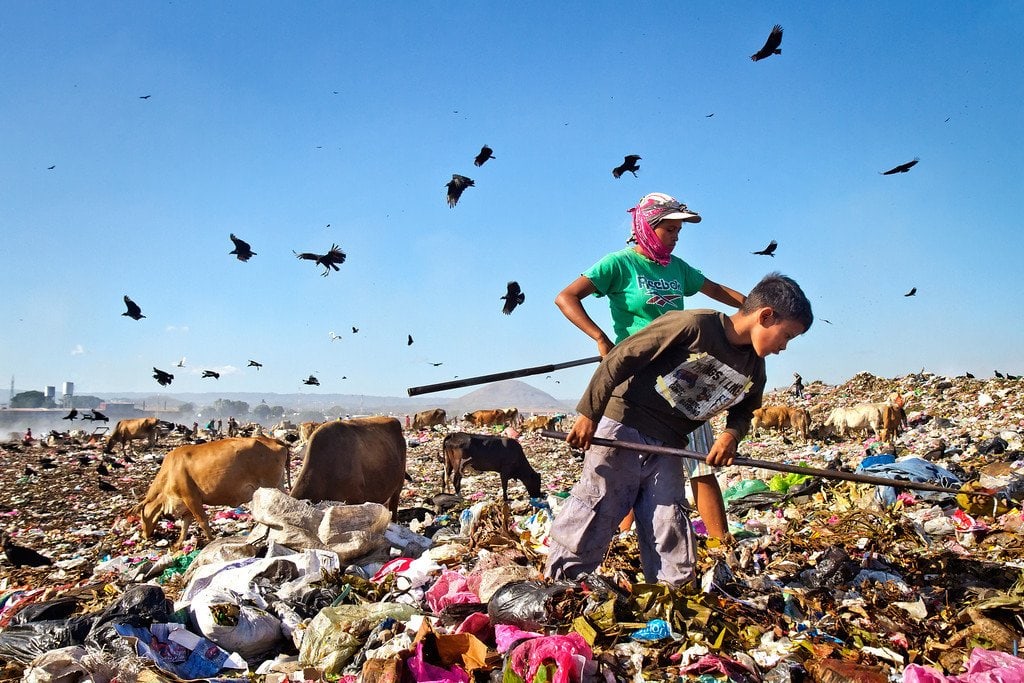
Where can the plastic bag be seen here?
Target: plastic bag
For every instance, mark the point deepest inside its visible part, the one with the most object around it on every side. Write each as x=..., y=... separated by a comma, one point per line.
x=527, y=604
x=242, y=628
x=337, y=633
x=743, y=488
x=25, y=642
x=140, y=605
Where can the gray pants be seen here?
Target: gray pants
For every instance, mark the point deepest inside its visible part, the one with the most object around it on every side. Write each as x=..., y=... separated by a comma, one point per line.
x=612, y=482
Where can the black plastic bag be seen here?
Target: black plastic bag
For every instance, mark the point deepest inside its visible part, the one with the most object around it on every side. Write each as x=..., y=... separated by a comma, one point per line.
x=529, y=605
x=50, y=610
x=25, y=642
x=141, y=605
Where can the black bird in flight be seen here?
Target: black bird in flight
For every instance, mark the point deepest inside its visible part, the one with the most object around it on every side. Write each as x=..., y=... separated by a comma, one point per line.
x=826, y=321
x=456, y=186
x=104, y=486
x=354, y=329
x=629, y=164
x=50, y=168
x=436, y=364
x=409, y=343
x=769, y=250
x=771, y=46
x=181, y=363
x=912, y=292
x=21, y=556
x=164, y=378
x=513, y=297
x=144, y=97
x=133, y=312
x=210, y=373
x=902, y=168
x=242, y=249
x=72, y=415
x=311, y=380
x=485, y=154
x=332, y=259
x=96, y=416
x=254, y=364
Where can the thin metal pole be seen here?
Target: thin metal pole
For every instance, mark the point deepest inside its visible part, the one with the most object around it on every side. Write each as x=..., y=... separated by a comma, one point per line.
x=766, y=465
x=497, y=376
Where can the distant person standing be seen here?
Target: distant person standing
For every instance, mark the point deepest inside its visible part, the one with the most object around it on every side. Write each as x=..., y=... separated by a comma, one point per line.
x=642, y=283
x=232, y=427
x=798, y=385
x=195, y=429
x=220, y=427
x=27, y=439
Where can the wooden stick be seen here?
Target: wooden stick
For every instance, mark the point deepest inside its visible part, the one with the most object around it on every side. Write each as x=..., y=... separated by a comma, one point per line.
x=510, y=374
x=767, y=465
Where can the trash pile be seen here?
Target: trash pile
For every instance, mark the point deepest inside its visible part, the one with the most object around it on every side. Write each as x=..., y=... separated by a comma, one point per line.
x=823, y=579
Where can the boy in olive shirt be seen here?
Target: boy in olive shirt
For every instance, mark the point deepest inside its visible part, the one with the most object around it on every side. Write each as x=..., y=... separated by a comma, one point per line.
x=654, y=388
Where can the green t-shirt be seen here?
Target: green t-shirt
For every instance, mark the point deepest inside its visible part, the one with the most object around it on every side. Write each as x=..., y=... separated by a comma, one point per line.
x=639, y=290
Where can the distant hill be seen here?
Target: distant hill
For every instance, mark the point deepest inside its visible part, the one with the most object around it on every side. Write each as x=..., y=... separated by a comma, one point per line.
x=506, y=394
x=510, y=393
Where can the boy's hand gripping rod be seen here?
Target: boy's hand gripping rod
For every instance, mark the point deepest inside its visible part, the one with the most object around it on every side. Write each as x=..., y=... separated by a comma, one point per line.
x=768, y=465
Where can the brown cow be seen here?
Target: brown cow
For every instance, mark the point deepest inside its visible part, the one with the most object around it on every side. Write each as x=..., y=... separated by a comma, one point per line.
x=892, y=422
x=800, y=421
x=488, y=418
x=425, y=419
x=487, y=454
x=223, y=472
x=773, y=417
x=306, y=430
x=541, y=422
x=355, y=461
x=127, y=431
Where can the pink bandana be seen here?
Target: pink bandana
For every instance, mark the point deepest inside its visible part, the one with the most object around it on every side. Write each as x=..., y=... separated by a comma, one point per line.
x=643, y=231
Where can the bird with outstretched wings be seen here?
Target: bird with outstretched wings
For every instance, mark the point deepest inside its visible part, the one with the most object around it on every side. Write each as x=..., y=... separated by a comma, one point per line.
x=771, y=46
x=210, y=373
x=312, y=381
x=513, y=297
x=409, y=341
x=456, y=186
x=485, y=154
x=769, y=250
x=164, y=378
x=97, y=416
x=72, y=415
x=133, y=312
x=628, y=165
x=332, y=259
x=902, y=168
x=242, y=249
x=254, y=364
x=912, y=292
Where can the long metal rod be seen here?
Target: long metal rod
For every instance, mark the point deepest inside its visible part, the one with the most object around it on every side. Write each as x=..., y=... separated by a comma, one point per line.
x=766, y=464
x=497, y=376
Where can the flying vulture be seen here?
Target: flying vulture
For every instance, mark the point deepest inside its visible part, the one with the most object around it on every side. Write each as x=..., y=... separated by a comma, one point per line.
x=629, y=164
x=331, y=259
x=769, y=250
x=242, y=249
x=456, y=186
x=133, y=311
x=210, y=373
x=513, y=297
x=771, y=46
x=902, y=168
x=485, y=154
x=164, y=378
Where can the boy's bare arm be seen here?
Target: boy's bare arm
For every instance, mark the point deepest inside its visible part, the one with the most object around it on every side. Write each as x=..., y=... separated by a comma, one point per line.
x=581, y=433
x=723, y=451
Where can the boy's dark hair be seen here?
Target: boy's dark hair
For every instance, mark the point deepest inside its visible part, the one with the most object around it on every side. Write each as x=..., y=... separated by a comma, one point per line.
x=784, y=296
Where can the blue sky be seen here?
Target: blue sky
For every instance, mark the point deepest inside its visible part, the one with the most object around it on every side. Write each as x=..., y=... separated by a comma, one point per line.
x=275, y=121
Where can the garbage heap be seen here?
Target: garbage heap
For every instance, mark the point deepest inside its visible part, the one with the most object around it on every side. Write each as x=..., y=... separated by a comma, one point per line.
x=822, y=580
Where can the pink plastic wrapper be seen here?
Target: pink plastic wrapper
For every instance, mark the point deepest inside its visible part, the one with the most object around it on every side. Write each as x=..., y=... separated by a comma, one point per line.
x=425, y=672
x=528, y=657
x=449, y=589
x=506, y=635
x=983, y=666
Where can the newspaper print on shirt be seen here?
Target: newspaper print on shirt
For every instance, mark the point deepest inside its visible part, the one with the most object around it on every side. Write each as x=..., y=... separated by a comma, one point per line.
x=702, y=386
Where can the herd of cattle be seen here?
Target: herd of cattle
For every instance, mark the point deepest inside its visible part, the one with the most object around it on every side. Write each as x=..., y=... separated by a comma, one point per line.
x=364, y=459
